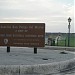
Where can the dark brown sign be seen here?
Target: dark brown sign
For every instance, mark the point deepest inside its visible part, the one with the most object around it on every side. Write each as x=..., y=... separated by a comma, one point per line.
x=22, y=34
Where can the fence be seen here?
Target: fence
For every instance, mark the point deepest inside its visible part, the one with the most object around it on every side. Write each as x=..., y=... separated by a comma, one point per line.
x=61, y=43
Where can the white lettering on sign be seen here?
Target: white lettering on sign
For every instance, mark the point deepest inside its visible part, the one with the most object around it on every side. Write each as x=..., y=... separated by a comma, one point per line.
x=8, y=35
x=18, y=35
x=15, y=27
x=36, y=44
x=22, y=34
x=19, y=30
x=39, y=27
x=3, y=27
x=2, y=35
x=23, y=27
x=40, y=36
x=30, y=35
x=31, y=27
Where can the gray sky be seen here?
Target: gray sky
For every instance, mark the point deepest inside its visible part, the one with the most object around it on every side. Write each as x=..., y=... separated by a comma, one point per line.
x=54, y=13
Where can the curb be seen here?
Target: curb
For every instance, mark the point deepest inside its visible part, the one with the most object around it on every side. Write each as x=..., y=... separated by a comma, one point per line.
x=49, y=68
x=59, y=48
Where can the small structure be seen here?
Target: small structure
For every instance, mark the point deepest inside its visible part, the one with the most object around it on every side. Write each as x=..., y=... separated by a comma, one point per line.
x=51, y=41
x=46, y=40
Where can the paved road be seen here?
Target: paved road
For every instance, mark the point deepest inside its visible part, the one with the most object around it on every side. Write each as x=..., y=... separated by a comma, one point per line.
x=21, y=56
x=71, y=72
x=25, y=56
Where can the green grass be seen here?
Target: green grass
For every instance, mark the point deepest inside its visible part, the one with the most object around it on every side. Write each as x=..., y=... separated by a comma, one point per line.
x=72, y=41
x=61, y=43
x=64, y=36
x=65, y=42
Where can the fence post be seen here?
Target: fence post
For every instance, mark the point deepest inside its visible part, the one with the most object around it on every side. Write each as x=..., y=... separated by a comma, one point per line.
x=57, y=42
x=65, y=42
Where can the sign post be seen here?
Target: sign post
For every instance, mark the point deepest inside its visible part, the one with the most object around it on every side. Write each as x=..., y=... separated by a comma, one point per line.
x=22, y=35
x=8, y=49
x=35, y=50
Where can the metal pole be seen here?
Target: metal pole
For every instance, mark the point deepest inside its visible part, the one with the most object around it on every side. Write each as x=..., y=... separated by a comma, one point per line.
x=57, y=42
x=35, y=50
x=65, y=42
x=8, y=49
x=69, y=35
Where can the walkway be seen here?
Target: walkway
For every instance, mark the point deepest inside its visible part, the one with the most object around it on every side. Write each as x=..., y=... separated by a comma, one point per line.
x=23, y=61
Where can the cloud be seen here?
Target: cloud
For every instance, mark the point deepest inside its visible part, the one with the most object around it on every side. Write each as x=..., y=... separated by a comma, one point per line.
x=53, y=12
x=37, y=8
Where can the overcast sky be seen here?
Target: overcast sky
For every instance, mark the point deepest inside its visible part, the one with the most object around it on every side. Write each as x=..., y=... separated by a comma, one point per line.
x=54, y=13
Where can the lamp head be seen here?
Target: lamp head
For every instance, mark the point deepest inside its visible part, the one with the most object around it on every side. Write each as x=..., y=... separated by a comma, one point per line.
x=69, y=19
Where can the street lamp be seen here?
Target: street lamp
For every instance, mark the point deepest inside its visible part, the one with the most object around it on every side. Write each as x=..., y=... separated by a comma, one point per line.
x=69, y=20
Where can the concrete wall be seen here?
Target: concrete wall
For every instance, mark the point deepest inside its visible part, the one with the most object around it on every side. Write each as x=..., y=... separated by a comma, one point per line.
x=37, y=69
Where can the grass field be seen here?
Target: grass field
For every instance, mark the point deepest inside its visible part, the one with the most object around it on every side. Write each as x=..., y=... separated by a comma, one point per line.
x=65, y=42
